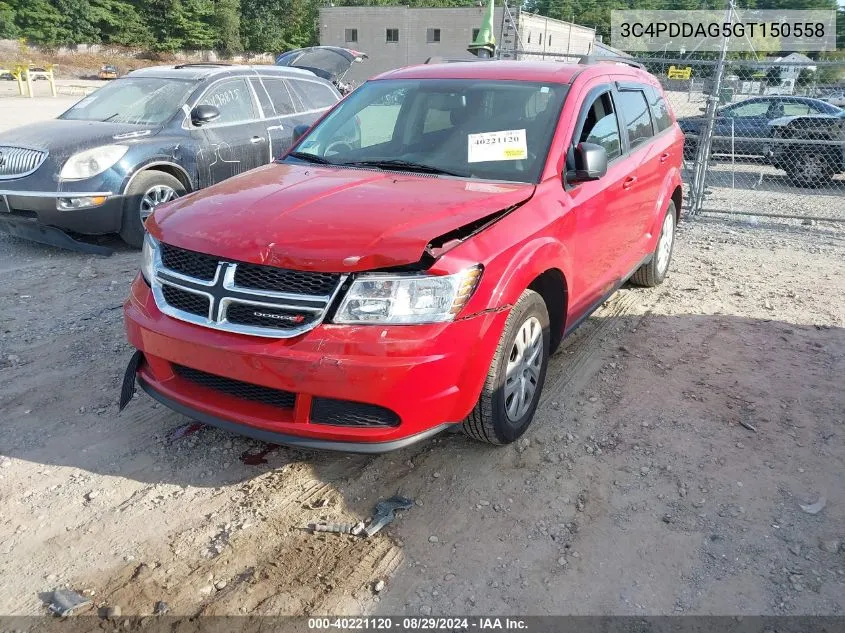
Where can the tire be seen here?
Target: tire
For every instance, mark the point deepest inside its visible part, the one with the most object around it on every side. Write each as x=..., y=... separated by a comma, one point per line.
x=497, y=418
x=654, y=272
x=147, y=190
x=812, y=169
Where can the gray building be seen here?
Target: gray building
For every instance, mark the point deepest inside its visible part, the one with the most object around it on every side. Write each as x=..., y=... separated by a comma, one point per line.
x=401, y=36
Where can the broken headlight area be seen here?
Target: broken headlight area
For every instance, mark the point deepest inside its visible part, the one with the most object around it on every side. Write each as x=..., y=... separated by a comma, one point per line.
x=403, y=299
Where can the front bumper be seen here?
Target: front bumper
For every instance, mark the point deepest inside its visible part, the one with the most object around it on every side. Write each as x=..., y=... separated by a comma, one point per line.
x=42, y=207
x=429, y=376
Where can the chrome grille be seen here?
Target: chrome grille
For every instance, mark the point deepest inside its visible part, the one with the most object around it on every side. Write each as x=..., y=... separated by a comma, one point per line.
x=240, y=297
x=16, y=162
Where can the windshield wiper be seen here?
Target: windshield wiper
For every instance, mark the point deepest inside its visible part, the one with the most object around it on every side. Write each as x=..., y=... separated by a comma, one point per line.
x=404, y=165
x=311, y=158
x=109, y=118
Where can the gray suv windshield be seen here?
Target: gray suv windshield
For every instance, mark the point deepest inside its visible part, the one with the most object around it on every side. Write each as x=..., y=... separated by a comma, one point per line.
x=139, y=101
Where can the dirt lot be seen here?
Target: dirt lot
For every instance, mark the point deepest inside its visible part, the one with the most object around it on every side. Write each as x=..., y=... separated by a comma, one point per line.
x=637, y=491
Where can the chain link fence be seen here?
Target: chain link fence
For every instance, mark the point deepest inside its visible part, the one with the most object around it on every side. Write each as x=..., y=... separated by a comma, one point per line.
x=771, y=142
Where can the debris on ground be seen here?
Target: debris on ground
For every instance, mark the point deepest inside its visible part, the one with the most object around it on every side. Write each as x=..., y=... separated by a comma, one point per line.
x=379, y=586
x=815, y=508
x=161, y=607
x=113, y=612
x=383, y=515
x=748, y=426
x=384, y=512
x=183, y=431
x=260, y=457
x=64, y=601
x=338, y=528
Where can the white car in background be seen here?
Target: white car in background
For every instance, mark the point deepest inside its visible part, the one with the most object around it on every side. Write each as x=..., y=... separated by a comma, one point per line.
x=837, y=99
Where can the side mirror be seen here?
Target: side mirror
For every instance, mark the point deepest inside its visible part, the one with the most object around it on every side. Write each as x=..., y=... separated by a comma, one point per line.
x=203, y=114
x=298, y=132
x=590, y=163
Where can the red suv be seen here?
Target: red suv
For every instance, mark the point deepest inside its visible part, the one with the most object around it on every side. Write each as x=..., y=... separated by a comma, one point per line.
x=414, y=260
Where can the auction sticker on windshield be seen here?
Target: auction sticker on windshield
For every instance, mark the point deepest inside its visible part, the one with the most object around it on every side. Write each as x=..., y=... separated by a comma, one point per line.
x=496, y=146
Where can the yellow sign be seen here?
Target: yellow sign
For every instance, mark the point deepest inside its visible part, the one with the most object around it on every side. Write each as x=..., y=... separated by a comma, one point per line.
x=679, y=73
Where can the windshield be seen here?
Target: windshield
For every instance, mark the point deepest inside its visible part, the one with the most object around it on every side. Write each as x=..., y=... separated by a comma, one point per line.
x=491, y=130
x=138, y=100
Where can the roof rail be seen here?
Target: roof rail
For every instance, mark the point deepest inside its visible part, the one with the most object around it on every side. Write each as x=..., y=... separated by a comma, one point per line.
x=597, y=59
x=203, y=64
x=452, y=60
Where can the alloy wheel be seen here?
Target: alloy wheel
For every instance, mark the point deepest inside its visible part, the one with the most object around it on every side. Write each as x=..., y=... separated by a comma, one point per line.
x=523, y=370
x=153, y=197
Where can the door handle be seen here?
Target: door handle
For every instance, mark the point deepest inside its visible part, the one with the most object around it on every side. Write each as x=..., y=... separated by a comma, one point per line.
x=664, y=157
x=257, y=139
x=629, y=182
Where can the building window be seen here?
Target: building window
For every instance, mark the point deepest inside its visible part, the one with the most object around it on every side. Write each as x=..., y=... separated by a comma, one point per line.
x=392, y=35
x=529, y=37
x=475, y=34
x=550, y=40
x=351, y=35
x=432, y=36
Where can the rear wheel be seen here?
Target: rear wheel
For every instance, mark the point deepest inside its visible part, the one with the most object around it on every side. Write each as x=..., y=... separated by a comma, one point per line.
x=511, y=392
x=654, y=272
x=148, y=190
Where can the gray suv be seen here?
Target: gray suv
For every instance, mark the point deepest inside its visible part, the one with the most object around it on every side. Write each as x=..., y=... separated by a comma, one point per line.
x=147, y=138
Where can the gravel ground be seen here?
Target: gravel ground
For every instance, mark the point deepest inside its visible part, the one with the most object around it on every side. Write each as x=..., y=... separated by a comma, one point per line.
x=682, y=429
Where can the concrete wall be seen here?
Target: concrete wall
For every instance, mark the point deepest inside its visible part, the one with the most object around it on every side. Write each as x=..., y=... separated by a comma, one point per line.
x=456, y=26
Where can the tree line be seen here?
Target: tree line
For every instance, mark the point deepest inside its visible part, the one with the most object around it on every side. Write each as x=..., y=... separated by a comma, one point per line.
x=233, y=26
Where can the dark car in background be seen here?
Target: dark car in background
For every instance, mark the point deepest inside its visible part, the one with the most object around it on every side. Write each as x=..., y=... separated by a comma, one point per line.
x=145, y=139
x=810, y=149
x=743, y=128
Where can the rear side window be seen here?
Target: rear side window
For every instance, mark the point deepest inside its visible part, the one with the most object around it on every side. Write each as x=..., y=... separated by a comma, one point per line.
x=314, y=96
x=660, y=112
x=601, y=126
x=278, y=92
x=263, y=98
x=634, y=110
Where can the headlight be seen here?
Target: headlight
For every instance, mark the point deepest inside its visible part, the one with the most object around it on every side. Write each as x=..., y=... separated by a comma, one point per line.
x=148, y=255
x=92, y=162
x=404, y=299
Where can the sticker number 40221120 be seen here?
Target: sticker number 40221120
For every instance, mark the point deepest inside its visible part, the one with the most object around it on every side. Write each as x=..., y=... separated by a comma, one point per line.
x=496, y=146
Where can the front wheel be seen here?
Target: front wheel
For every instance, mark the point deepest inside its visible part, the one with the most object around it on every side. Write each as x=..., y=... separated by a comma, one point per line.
x=511, y=392
x=812, y=169
x=148, y=190
x=654, y=272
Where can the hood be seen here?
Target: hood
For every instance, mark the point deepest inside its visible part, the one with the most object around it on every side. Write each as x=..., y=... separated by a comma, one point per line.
x=328, y=62
x=63, y=137
x=328, y=219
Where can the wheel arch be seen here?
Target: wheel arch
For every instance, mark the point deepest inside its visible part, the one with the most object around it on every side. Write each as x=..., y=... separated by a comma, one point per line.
x=168, y=167
x=551, y=285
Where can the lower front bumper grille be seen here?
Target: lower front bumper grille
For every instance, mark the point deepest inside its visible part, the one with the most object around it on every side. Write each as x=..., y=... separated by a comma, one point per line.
x=328, y=411
x=237, y=388
x=349, y=413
